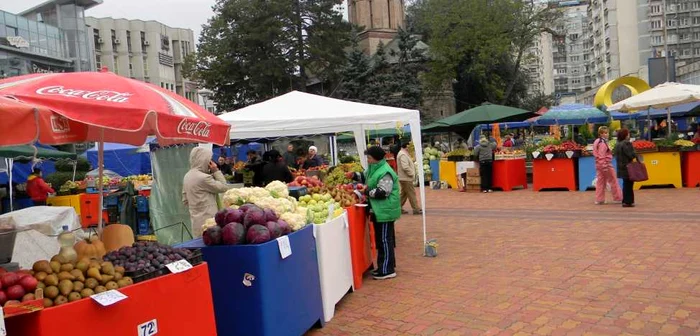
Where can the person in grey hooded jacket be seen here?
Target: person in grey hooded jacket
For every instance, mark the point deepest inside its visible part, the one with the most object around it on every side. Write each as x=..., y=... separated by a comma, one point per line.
x=484, y=154
x=200, y=188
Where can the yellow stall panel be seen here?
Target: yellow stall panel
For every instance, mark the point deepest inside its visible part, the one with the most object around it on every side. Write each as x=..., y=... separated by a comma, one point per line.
x=69, y=201
x=664, y=168
x=448, y=173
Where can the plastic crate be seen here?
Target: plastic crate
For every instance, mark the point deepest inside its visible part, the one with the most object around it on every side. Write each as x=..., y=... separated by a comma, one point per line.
x=144, y=226
x=141, y=204
x=140, y=276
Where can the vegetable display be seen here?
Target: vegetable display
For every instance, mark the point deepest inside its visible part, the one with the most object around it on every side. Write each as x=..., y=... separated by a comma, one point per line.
x=643, y=145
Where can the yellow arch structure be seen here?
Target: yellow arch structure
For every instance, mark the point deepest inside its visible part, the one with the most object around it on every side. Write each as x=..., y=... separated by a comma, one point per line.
x=604, y=95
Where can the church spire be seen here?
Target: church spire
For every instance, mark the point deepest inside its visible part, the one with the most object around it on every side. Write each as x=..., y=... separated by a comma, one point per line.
x=380, y=20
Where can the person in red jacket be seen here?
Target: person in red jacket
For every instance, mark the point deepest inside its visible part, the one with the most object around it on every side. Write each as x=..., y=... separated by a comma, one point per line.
x=37, y=189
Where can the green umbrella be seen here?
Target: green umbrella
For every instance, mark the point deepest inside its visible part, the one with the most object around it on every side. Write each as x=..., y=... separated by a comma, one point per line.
x=485, y=114
x=27, y=152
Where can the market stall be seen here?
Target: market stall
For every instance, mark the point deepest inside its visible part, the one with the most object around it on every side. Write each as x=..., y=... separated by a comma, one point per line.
x=313, y=114
x=587, y=173
x=509, y=171
x=104, y=269
x=690, y=161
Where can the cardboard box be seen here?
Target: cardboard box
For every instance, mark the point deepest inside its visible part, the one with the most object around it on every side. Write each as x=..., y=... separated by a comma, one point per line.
x=473, y=180
x=473, y=172
x=471, y=188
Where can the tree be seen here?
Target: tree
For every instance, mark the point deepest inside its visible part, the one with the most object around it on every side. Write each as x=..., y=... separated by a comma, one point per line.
x=480, y=44
x=538, y=100
x=390, y=77
x=252, y=50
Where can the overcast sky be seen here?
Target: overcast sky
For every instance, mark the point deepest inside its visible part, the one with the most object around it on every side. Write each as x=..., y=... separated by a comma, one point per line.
x=175, y=13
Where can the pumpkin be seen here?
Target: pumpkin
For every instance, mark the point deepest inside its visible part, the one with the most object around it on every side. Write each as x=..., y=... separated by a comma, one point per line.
x=116, y=236
x=91, y=248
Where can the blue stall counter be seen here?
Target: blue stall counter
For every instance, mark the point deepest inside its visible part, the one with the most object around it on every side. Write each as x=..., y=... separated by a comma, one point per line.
x=256, y=292
x=435, y=168
x=587, y=174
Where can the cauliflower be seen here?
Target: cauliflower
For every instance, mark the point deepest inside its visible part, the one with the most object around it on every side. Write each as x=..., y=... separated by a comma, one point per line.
x=277, y=189
x=295, y=220
x=240, y=196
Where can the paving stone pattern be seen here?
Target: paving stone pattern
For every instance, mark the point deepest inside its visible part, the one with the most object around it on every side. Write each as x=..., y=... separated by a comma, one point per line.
x=547, y=263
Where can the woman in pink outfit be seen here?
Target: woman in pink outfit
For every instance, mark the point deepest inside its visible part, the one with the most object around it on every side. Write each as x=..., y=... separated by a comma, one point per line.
x=605, y=174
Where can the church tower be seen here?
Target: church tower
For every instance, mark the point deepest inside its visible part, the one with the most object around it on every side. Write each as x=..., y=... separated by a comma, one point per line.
x=379, y=20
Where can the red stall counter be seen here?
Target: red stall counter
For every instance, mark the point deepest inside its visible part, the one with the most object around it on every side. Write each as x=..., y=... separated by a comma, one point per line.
x=179, y=304
x=510, y=173
x=360, y=251
x=690, y=166
x=557, y=173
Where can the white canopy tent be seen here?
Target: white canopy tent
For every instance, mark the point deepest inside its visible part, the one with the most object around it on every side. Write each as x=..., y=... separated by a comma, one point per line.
x=297, y=113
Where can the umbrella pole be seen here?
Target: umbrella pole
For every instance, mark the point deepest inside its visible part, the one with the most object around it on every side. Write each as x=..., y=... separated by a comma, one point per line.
x=649, y=122
x=9, y=164
x=75, y=167
x=668, y=122
x=100, y=173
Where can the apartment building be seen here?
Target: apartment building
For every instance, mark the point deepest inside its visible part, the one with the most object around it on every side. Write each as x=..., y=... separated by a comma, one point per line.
x=538, y=65
x=570, y=50
x=682, y=30
x=145, y=50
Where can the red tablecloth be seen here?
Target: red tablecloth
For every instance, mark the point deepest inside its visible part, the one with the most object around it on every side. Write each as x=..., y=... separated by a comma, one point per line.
x=554, y=174
x=509, y=173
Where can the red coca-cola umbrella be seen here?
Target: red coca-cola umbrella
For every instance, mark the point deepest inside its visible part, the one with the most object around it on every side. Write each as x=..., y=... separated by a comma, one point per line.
x=105, y=107
x=102, y=107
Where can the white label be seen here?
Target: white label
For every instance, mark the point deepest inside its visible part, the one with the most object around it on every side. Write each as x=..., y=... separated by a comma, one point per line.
x=109, y=297
x=535, y=154
x=3, y=331
x=549, y=156
x=285, y=247
x=569, y=154
x=633, y=139
x=654, y=162
x=331, y=210
x=149, y=328
x=179, y=266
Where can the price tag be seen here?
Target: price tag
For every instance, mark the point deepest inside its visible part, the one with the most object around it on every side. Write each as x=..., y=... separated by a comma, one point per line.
x=285, y=247
x=109, y=297
x=3, y=331
x=148, y=329
x=331, y=210
x=654, y=162
x=179, y=266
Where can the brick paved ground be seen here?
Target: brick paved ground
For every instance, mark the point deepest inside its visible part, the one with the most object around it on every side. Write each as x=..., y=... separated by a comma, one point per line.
x=549, y=263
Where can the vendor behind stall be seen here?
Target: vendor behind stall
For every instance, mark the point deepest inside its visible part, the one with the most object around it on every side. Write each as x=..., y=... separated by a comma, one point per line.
x=37, y=189
x=276, y=169
x=313, y=160
x=255, y=165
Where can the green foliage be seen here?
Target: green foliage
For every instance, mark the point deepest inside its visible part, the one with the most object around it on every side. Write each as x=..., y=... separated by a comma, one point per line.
x=58, y=178
x=536, y=101
x=252, y=50
x=391, y=77
x=481, y=44
x=66, y=165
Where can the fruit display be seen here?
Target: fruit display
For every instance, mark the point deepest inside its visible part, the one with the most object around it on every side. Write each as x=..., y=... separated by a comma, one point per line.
x=644, y=145
x=145, y=256
x=249, y=224
x=561, y=148
x=319, y=205
x=323, y=167
x=684, y=143
x=91, y=181
x=139, y=181
x=459, y=152
x=116, y=236
x=71, y=187
x=311, y=183
x=91, y=248
x=16, y=287
x=337, y=174
x=63, y=281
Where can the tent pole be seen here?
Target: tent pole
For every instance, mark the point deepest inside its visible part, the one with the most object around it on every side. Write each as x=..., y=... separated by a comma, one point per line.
x=418, y=147
x=75, y=167
x=9, y=162
x=649, y=122
x=668, y=122
x=100, y=174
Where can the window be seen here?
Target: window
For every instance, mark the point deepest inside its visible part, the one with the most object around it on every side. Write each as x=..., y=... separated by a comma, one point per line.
x=671, y=23
x=131, y=67
x=143, y=40
x=573, y=37
x=161, y=84
x=128, y=40
x=574, y=58
x=656, y=40
x=116, y=65
x=96, y=38
x=145, y=67
x=686, y=52
x=114, y=39
x=98, y=61
x=576, y=81
x=696, y=4
x=655, y=9
x=696, y=36
x=696, y=51
x=561, y=71
x=684, y=22
x=656, y=24
x=586, y=57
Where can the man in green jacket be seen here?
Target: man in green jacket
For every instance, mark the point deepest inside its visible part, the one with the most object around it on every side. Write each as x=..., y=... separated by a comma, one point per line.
x=385, y=208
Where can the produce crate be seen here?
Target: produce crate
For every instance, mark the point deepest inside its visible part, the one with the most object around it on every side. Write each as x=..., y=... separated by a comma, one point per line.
x=456, y=158
x=297, y=192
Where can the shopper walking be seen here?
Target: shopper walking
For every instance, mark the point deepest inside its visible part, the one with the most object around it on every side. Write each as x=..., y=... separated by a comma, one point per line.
x=484, y=154
x=385, y=208
x=200, y=188
x=37, y=189
x=625, y=154
x=407, y=176
x=605, y=174
x=290, y=158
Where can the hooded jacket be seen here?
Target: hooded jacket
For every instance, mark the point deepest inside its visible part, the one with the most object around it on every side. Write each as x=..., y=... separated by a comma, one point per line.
x=484, y=151
x=200, y=189
x=37, y=189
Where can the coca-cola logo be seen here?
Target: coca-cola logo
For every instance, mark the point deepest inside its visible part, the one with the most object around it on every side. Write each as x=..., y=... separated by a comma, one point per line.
x=59, y=124
x=100, y=95
x=195, y=128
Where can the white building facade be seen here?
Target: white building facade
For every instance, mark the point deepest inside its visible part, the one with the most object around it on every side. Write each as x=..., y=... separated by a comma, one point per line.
x=145, y=50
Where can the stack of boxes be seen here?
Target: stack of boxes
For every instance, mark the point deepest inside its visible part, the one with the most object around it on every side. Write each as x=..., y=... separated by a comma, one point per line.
x=473, y=183
x=142, y=215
